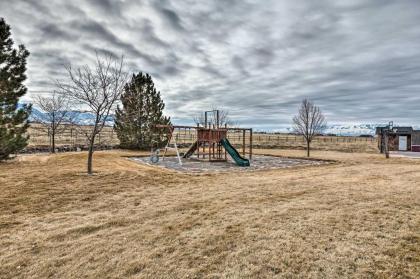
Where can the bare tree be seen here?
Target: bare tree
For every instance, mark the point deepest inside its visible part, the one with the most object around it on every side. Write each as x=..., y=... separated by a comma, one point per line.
x=56, y=113
x=309, y=122
x=97, y=90
x=224, y=119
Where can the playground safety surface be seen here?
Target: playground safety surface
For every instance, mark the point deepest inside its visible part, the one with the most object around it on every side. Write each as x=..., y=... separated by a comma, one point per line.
x=258, y=162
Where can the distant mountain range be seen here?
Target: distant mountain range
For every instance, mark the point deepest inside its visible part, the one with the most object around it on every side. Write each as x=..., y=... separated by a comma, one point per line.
x=87, y=118
x=353, y=130
x=79, y=117
x=350, y=129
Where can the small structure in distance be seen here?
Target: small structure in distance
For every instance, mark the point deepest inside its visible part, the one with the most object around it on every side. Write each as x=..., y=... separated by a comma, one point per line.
x=399, y=138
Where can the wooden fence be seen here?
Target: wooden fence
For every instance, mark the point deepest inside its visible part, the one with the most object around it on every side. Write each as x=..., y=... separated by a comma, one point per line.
x=261, y=140
x=73, y=136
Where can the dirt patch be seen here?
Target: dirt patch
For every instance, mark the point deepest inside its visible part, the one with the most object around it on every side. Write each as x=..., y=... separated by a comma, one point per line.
x=258, y=162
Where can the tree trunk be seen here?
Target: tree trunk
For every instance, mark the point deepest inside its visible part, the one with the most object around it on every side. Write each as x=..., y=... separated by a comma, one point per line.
x=308, y=147
x=90, y=155
x=53, y=133
x=53, y=141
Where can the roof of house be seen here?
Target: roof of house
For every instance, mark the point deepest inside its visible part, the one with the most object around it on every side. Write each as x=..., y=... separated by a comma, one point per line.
x=396, y=130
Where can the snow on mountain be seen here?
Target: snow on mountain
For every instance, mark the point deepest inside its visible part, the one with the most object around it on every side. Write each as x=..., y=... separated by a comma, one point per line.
x=356, y=129
x=87, y=118
x=348, y=129
x=80, y=117
x=352, y=129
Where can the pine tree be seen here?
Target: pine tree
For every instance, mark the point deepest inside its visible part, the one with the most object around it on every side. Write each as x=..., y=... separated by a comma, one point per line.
x=142, y=108
x=13, y=121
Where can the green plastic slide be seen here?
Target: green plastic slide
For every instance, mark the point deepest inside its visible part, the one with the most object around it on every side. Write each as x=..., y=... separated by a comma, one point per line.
x=239, y=160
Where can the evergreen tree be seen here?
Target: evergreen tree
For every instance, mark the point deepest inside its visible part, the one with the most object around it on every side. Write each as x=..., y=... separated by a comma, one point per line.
x=142, y=108
x=13, y=121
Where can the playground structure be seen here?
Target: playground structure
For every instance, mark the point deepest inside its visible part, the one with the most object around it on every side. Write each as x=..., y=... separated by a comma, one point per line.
x=212, y=143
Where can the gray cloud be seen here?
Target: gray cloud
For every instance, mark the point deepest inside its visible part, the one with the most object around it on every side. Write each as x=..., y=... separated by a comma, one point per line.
x=358, y=60
x=172, y=18
x=53, y=32
x=109, y=7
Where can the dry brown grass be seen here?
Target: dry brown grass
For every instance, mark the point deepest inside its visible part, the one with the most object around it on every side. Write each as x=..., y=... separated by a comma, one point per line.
x=324, y=143
x=357, y=218
x=72, y=135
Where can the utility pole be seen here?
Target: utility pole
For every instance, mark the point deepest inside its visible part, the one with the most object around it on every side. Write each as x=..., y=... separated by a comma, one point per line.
x=386, y=143
x=386, y=132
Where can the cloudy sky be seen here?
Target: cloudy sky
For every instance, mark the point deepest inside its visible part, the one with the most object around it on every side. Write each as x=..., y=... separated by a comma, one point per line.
x=358, y=60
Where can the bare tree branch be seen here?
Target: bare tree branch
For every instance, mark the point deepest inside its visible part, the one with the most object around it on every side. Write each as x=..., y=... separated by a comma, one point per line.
x=56, y=113
x=97, y=90
x=309, y=122
x=224, y=119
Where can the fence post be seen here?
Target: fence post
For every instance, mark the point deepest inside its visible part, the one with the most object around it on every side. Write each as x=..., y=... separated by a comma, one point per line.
x=75, y=140
x=112, y=137
x=243, y=142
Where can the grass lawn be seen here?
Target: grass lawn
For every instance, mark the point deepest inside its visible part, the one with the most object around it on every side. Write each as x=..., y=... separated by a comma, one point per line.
x=359, y=217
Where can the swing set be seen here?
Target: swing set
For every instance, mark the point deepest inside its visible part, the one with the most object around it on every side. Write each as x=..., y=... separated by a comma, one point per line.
x=211, y=141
